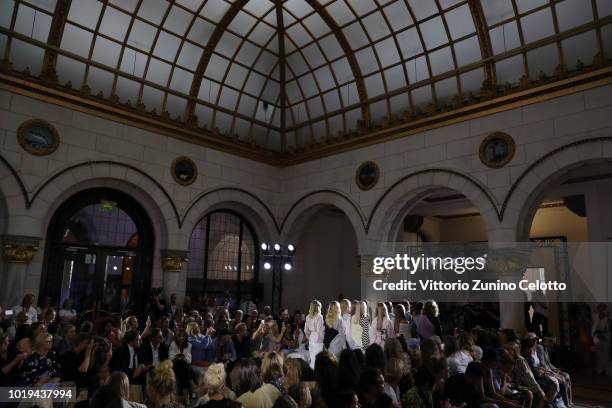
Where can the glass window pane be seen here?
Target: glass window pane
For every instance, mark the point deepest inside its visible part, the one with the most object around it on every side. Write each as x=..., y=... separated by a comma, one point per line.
x=544, y=59
x=505, y=37
x=582, y=47
x=573, y=13
x=433, y=33
x=100, y=224
x=76, y=40
x=115, y=23
x=537, y=25
x=85, y=12
x=460, y=22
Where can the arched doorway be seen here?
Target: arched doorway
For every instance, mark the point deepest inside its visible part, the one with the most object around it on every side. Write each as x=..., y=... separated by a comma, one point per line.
x=99, y=253
x=223, y=257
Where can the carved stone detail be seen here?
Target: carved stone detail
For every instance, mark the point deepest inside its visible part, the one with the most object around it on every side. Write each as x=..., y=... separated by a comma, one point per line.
x=173, y=260
x=19, y=249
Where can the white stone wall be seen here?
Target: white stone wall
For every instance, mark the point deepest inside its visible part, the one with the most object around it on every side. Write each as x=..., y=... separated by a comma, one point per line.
x=446, y=156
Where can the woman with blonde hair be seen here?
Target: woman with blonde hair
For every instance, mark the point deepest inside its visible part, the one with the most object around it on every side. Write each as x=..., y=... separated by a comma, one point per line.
x=215, y=381
x=381, y=327
x=360, y=325
x=313, y=329
x=199, y=343
x=334, y=338
x=293, y=372
x=346, y=308
x=120, y=382
x=161, y=386
x=41, y=367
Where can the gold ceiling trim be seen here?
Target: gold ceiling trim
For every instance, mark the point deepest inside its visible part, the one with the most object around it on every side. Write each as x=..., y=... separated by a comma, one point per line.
x=28, y=86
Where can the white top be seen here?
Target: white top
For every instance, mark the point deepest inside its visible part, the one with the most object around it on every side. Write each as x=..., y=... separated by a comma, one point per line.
x=458, y=362
x=314, y=328
x=387, y=331
x=31, y=313
x=66, y=315
x=346, y=320
x=174, y=351
x=404, y=329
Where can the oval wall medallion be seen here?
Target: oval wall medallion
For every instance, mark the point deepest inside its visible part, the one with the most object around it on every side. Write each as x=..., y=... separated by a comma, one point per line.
x=497, y=150
x=367, y=175
x=38, y=137
x=184, y=170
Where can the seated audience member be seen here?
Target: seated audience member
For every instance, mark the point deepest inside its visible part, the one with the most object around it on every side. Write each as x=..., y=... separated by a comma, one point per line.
x=120, y=383
x=301, y=394
x=548, y=382
x=41, y=367
x=163, y=323
x=394, y=371
x=126, y=358
x=238, y=316
x=106, y=397
x=76, y=362
x=221, y=349
x=326, y=378
x=272, y=371
x=347, y=399
x=180, y=347
x=564, y=378
x=349, y=371
x=215, y=381
x=248, y=386
x=372, y=389
x=468, y=389
x=11, y=361
x=199, y=343
x=458, y=359
x=67, y=314
x=242, y=341
x=420, y=396
x=503, y=383
x=490, y=363
x=161, y=386
x=153, y=350
x=27, y=307
x=67, y=340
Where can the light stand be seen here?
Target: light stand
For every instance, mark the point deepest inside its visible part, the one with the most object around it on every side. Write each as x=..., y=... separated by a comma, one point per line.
x=279, y=259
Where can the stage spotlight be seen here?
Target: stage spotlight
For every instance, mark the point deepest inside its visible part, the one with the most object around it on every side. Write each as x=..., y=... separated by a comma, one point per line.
x=288, y=266
x=277, y=247
x=264, y=246
x=267, y=266
x=291, y=248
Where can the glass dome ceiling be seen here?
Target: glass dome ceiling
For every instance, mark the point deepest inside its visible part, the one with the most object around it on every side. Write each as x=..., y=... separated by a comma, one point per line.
x=287, y=74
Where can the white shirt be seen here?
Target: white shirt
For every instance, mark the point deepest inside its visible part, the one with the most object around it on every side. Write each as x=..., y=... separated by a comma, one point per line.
x=313, y=328
x=458, y=362
x=31, y=313
x=376, y=336
x=66, y=315
x=174, y=351
x=133, y=358
x=155, y=354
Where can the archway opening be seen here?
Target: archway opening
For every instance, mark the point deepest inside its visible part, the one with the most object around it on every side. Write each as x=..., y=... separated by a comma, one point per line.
x=326, y=261
x=99, y=253
x=223, y=259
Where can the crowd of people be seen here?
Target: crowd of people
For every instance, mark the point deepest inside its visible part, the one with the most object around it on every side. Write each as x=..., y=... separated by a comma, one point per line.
x=215, y=354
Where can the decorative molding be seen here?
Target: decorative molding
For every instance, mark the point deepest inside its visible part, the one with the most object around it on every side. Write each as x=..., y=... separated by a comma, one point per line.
x=56, y=32
x=173, y=260
x=486, y=49
x=177, y=178
x=19, y=249
x=510, y=146
x=42, y=151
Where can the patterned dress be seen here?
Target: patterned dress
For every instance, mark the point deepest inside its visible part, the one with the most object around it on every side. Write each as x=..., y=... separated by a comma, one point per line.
x=37, y=367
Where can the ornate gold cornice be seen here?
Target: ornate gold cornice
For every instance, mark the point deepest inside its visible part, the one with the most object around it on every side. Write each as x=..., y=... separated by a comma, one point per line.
x=173, y=260
x=19, y=249
x=508, y=97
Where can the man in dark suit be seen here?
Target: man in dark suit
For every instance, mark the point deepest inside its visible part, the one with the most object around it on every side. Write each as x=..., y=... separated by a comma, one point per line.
x=126, y=358
x=154, y=350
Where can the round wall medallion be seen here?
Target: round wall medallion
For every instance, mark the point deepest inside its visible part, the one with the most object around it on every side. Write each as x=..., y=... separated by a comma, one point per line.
x=497, y=149
x=38, y=137
x=184, y=170
x=367, y=175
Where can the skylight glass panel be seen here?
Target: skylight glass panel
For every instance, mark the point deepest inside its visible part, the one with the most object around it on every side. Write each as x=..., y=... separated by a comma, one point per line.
x=537, y=25
x=106, y=52
x=308, y=85
x=471, y=81
x=573, y=13
x=509, y=70
x=228, y=98
x=247, y=105
x=262, y=33
x=497, y=10
x=374, y=84
x=271, y=91
x=544, y=59
x=100, y=80
x=241, y=128
x=315, y=106
x=236, y=76
x=298, y=8
x=153, y=10
x=325, y=78
x=398, y=15
x=190, y=55
x=258, y=7
x=115, y=23
x=441, y=61
x=316, y=25
x=85, y=12
x=288, y=19
x=201, y=31
x=446, y=89
x=293, y=92
x=340, y=12
x=167, y=46
x=410, y=43
x=175, y=105
x=76, y=40
x=421, y=97
x=362, y=7
x=387, y=52
x=581, y=47
x=604, y=8
x=423, y=9
x=209, y=90
x=417, y=70
x=376, y=25
x=319, y=130
x=178, y=20
x=152, y=98
x=331, y=47
x=266, y=63
x=378, y=110
x=467, y=51
x=223, y=121
x=299, y=35
x=336, y=125
x=133, y=62
x=228, y=44
x=297, y=64
x=6, y=13
x=127, y=90
x=216, y=67
x=255, y=83
x=526, y=5
x=367, y=60
x=25, y=55
x=242, y=23
x=70, y=70
x=32, y=23
x=181, y=80
x=606, y=35
x=248, y=53
x=460, y=22
x=127, y=5
x=214, y=10
x=342, y=69
x=505, y=37
x=158, y=71
x=313, y=55
x=355, y=35
x=394, y=77
x=433, y=32
x=204, y=114
x=332, y=100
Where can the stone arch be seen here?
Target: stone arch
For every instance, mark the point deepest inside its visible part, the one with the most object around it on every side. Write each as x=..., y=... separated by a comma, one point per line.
x=245, y=203
x=13, y=194
x=396, y=201
x=299, y=213
x=523, y=198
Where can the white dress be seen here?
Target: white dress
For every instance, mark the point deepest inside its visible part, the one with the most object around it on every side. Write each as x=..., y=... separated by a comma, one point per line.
x=379, y=336
x=339, y=342
x=313, y=329
x=346, y=321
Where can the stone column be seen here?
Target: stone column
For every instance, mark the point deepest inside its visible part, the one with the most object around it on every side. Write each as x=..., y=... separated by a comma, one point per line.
x=17, y=253
x=173, y=261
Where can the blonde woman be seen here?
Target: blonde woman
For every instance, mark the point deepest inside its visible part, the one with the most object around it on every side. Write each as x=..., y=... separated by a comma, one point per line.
x=314, y=330
x=360, y=326
x=41, y=367
x=346, y=309
x=334, y=338
x=381, y=327
x=215, y=381
x=119, y=382
x=293, y=372
x=272, y=371
x=161, y=386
